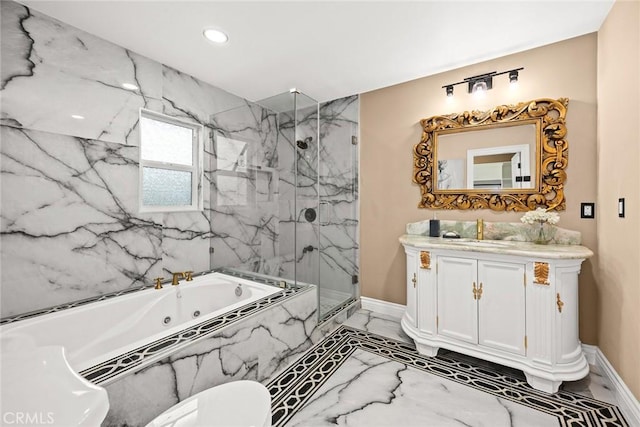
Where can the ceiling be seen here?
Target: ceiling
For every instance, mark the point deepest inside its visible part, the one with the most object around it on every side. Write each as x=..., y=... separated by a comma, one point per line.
x=326, y=49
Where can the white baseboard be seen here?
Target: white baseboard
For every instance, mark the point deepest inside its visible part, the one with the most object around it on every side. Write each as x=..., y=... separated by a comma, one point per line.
x=383, y=307
x=627, y=401
x=590, y=353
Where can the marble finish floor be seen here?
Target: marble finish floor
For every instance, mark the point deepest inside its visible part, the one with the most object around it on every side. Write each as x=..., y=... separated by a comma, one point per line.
x=368, y=373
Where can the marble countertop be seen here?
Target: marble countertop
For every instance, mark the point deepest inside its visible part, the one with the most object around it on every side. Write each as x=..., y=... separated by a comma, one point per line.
x=503, y=247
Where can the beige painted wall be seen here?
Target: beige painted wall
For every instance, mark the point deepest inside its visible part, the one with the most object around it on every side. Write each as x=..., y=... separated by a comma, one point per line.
x=618, y=278
x=390, y=128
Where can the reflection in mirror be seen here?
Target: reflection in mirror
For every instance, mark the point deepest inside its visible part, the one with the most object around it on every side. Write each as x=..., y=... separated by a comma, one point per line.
x=496, y=172
x=491, y=158
x=500, y=168
x=512, y=157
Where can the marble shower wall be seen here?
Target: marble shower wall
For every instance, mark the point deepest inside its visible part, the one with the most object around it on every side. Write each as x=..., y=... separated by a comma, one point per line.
x=327, y=181
x=298, y=243
x=244, y=190
x=70, y=224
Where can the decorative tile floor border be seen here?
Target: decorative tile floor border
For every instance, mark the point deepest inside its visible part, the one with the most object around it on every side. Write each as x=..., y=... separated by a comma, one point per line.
x=294, y=387
x=140, y=357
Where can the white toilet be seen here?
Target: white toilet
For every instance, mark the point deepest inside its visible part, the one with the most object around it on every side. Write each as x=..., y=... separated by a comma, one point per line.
x=235, y=404
x=39, y=387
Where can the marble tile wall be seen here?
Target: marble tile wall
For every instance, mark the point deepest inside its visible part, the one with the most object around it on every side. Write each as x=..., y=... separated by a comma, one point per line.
x=70, y=226
x=51, y=70
x=245, y=189
x=516, y=231
x=70, y=223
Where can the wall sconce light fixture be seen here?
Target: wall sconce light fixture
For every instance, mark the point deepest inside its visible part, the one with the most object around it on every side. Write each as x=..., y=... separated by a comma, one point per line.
x=482, y=82
x=449, y=90
x=480, y=85
x=513, y=76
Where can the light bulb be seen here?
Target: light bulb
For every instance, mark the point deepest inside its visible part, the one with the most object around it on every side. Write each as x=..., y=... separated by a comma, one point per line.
x=216, y=36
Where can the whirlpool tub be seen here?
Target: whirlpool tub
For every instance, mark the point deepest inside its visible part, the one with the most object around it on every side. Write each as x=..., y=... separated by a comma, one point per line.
x=103, y=339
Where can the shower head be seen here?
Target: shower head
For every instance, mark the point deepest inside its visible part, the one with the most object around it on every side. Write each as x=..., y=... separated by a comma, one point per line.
x=304, y=144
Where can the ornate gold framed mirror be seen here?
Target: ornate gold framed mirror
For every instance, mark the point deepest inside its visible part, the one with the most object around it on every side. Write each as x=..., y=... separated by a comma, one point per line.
x=510, y=158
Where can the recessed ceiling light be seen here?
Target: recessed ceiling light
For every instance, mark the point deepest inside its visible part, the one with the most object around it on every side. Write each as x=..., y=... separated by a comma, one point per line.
x=130, y=86
x=77, y=117
x=215, y=35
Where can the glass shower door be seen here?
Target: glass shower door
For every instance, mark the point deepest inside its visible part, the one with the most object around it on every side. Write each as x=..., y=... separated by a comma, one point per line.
x=306, y=206
x=338, y=193
x=284, y=194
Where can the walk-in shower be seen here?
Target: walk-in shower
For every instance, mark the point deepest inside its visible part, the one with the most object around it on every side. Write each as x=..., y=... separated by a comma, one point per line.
x=285, y=194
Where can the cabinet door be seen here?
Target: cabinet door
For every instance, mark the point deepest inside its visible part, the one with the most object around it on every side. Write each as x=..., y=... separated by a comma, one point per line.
x=412, y=279
x=565, y=306
x=501, y=306
x=457, y=309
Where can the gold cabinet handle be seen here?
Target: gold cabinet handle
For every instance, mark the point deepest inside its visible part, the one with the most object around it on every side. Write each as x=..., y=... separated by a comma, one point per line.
x=414, y=280
x=559, y=303
x=475, y=291
x=480, y=291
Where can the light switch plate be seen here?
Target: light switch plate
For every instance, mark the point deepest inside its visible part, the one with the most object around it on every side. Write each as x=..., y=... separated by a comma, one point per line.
x=588, y=210
x=621, y=207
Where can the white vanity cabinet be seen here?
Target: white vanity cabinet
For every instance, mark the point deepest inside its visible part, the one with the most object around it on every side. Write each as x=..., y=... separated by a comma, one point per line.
x=477, y=298
x=512, y=303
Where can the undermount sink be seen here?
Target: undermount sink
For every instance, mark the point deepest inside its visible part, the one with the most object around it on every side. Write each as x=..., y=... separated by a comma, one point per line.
x=482, y=243
x=37, y=382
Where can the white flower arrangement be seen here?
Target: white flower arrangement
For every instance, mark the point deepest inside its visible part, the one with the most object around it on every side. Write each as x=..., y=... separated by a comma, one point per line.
x=540, y=215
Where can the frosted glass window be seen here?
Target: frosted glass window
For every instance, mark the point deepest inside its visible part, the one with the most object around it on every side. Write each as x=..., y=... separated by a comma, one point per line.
x=166, y=142
x=170, y=163
x=166, y=187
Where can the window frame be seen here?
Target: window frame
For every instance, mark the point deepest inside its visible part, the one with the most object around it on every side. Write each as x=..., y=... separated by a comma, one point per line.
x=196, y=169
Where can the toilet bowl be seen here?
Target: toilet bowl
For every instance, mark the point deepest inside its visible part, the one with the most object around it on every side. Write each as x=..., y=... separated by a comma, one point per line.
x=39, y=387
x=235, y=404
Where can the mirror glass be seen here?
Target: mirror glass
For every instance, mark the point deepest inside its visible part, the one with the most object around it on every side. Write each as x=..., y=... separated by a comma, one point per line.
x=495, y=158
x=509, y=158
